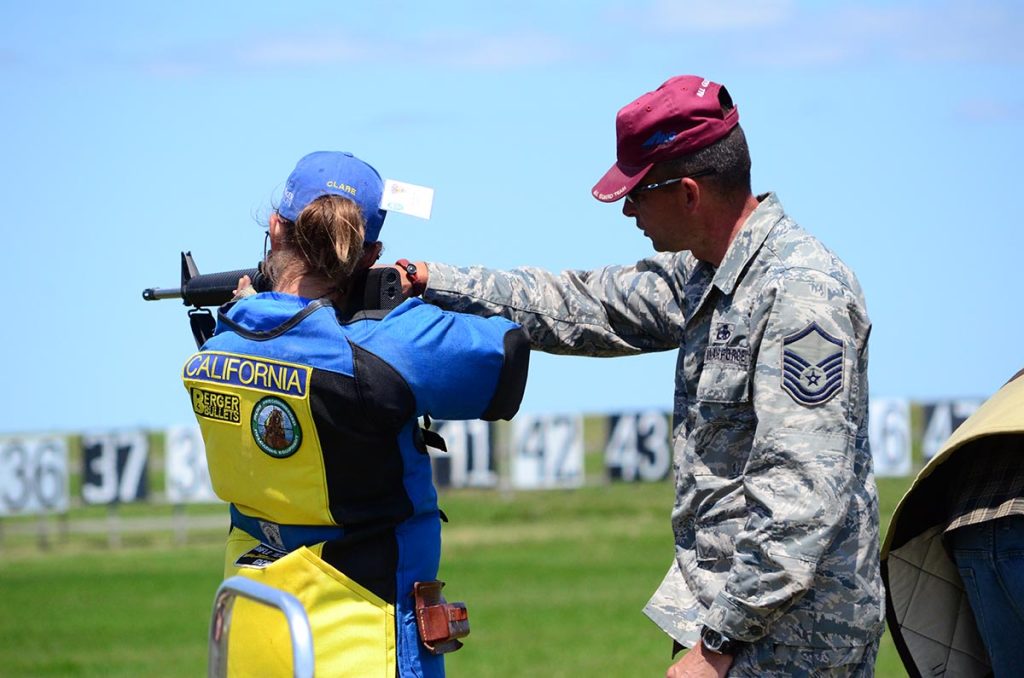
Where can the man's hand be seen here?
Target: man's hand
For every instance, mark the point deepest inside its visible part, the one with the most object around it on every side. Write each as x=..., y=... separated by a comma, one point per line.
x=700, y=663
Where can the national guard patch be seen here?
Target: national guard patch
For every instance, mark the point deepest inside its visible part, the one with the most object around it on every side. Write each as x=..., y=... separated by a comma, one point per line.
x=812, y=365
x=275, y=427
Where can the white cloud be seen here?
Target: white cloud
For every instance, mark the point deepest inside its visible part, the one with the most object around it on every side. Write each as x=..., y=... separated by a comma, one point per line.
x=472, y=50
x=718, y=15
x=989, y=110
x=173, y=68
x=791, y=33
x=515, y=50
x=747, y=33
x=299, y=51
x=966, y=32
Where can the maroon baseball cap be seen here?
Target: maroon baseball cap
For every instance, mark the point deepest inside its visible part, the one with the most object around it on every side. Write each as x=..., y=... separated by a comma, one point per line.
x=682, y=116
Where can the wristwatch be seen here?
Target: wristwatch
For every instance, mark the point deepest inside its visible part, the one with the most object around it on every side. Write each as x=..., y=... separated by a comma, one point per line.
x=411, y=274
x=713, y=641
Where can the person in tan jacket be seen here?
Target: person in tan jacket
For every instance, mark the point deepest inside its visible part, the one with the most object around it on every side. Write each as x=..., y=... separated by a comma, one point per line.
x=953, y=558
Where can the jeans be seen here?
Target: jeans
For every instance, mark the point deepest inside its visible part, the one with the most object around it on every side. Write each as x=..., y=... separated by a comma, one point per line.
x=990, y=557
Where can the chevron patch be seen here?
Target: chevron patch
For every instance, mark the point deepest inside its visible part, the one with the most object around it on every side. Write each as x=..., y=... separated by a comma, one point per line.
x=812, y=366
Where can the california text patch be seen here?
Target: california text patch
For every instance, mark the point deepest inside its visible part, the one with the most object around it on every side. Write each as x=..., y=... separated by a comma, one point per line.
x=812, y=365
x=220, y=406
x=255, y=373
x=275, y=427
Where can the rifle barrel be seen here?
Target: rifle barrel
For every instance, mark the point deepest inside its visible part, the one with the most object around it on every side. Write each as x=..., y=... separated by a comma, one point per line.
x=158, y=293
x=210, y=289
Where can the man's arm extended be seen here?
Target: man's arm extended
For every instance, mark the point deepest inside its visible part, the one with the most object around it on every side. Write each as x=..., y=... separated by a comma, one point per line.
x=611, y=311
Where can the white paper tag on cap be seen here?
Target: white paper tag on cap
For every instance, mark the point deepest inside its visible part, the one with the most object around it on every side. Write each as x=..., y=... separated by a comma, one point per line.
x=407, y=198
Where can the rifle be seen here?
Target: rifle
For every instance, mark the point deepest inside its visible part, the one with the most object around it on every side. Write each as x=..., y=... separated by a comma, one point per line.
x=372, y=289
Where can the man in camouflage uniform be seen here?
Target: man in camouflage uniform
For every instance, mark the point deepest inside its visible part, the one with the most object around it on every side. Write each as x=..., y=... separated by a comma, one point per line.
x=776, y=568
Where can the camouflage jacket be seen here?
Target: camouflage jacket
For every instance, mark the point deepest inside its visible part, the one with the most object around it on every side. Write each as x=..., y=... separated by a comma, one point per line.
x=776, y=510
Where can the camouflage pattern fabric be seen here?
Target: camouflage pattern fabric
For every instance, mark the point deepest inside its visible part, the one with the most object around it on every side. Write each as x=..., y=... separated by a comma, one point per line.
x=776, y=510
x=767, y=660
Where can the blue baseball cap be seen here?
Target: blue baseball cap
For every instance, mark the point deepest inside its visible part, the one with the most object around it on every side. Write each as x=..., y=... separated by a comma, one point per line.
x=335, y=173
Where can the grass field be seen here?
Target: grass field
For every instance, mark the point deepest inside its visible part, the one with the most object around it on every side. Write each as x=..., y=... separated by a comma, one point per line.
x=555, y=582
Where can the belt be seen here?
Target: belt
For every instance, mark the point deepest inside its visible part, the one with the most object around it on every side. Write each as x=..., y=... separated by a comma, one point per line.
x=284, y=537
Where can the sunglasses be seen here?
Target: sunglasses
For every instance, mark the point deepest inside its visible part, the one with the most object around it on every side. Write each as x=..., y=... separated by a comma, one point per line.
x=632, y=195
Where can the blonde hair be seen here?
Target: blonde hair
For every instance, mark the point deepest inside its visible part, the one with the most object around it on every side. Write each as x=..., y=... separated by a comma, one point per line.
x=325, y=240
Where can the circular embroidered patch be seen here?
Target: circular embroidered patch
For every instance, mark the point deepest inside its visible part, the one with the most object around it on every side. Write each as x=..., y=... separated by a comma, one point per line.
x=275, y=427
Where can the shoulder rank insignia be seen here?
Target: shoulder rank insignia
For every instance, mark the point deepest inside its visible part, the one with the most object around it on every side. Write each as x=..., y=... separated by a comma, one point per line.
x=812, y=365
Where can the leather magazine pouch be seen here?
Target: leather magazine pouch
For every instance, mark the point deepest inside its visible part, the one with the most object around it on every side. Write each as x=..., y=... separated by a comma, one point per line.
x=440, y=623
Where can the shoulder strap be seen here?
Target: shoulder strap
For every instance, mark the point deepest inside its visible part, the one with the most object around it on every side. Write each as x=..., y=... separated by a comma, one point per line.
x=265, y=335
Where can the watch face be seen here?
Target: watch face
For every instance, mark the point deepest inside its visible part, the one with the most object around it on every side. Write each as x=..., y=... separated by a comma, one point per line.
x=713, y=640
x=716, y=642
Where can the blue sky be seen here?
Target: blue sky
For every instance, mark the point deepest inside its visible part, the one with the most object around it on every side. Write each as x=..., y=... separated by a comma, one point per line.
x=135, y=130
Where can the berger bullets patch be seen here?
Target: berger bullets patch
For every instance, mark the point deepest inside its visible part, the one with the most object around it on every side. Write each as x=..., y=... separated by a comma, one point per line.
x=259, y=557
x=812, y=365
x=220, y=406
x=275, y=427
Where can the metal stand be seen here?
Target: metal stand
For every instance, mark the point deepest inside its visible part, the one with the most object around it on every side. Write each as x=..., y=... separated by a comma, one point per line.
x=289, y=605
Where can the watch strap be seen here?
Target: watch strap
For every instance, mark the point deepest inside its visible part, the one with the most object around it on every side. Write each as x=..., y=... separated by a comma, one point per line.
x=716, y=642
x=412, y=275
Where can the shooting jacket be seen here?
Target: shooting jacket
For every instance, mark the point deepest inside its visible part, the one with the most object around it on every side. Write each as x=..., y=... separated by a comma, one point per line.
x=928, y=612
x=311, y=432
